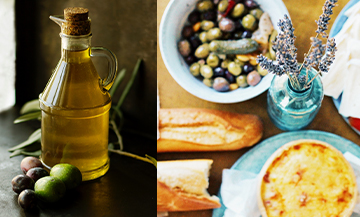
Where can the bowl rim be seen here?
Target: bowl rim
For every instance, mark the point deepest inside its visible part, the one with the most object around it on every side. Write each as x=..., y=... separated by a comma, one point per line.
x=207, y=93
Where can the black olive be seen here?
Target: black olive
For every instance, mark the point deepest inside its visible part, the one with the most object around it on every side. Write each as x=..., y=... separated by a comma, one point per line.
x=219, y=72
x=22, y=182
x=247, y=34
x=194, y=17
x=248, y=68
x=230, y=77
x=187, y=31
x=238, y=25
x=210, y=15
x=27, y=199
x=195, y=41
x=227, y=36
x=190, y=59
x=251, y=4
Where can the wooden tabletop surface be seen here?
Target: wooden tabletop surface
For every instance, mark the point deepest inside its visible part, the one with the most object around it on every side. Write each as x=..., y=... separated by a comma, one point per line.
x=303, y=14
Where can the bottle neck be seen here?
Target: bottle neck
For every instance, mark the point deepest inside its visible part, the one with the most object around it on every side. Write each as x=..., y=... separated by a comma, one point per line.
x=75, y=43
x=75, y=48
x=298, y=93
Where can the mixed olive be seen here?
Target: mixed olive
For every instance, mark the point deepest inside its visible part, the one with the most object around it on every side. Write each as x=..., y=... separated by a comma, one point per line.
x=221, y=40
x=37, y=184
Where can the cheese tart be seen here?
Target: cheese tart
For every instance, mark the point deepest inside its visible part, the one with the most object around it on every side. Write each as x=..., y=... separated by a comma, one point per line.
x=307, y=178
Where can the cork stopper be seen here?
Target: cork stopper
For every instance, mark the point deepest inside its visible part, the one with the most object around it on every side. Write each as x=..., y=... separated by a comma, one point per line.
x=77, y=21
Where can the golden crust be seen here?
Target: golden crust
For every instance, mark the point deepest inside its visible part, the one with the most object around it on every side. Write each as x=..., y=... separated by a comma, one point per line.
x=176, y=200
x=193, y=129
x=307, y=177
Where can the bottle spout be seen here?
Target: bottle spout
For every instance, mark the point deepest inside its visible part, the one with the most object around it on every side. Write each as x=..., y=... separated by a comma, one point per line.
x=59, y=19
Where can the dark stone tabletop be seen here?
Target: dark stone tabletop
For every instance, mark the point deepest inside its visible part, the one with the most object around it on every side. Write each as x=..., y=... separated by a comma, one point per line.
x=127, y=189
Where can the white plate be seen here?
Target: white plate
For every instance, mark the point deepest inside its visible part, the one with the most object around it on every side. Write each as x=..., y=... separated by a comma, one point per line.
x=173, y=19
x=254, y=160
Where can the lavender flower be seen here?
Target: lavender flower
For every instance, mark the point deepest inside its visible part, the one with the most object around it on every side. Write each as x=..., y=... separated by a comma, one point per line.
x=286, y=56
x=314, y=58
x=285, y=46
x=329, y=57
x=325, y=17
x=269, y=65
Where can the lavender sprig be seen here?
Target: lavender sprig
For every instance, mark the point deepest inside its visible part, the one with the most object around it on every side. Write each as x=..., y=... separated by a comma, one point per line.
x=324, y=18
x=270, y=66
x=286, y=56
x=329, y=57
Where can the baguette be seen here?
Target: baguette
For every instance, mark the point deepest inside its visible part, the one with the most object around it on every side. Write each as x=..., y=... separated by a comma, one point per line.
x=182, y=184
x=193, y=129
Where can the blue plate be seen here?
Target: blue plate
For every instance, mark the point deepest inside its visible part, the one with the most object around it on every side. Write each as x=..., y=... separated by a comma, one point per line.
x=254, y=159
x=338, y=24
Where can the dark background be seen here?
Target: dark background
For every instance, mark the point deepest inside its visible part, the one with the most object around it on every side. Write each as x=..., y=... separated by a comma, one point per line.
x=127, y=28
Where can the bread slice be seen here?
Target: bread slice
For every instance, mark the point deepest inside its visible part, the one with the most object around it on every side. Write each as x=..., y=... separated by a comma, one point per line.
x=182, y=186
x=307, y=178
x=194, y=129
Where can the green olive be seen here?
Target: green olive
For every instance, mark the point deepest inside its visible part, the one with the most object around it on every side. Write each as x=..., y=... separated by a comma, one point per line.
x=261, y=71
x=213, y=46
x=256, y=13
x=195, y=69
x=241, y=81
x=213, y=34
x=238, y=10
x=208, y=82
x=206, y=71
x=225, y=63
x=249, y=22
x=202, y=37
x=234, y=68
x=202, y=51
x=206, y=25
x=212, y=60
x=223, y=4
x=204, y=5
x=241, y=63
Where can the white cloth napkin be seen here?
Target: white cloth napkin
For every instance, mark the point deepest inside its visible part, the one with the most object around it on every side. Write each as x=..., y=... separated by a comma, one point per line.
x=238, y=191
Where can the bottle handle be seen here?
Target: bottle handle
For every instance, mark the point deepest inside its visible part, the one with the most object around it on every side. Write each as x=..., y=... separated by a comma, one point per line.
x=113, y=65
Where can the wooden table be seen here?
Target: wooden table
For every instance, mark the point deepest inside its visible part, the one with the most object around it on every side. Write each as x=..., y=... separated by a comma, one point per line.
x=303, y=14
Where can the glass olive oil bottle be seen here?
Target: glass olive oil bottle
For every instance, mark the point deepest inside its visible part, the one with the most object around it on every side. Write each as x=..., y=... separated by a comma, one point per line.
x=75, y=103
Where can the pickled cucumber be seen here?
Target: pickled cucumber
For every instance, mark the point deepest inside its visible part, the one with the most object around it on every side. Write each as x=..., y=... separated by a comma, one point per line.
x=241, y=46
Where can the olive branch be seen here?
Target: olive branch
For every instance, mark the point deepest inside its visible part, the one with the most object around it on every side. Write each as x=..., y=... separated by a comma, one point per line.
x=32, y=111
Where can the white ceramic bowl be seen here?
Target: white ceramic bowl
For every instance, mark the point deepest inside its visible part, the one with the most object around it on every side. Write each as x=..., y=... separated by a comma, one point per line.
x=173, y=19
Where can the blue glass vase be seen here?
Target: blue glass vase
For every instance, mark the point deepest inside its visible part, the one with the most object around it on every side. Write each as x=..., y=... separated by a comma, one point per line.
x=290, y=109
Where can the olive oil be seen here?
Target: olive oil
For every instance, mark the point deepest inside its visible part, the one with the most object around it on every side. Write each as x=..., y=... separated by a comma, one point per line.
x=75, y=116
x=75, y=103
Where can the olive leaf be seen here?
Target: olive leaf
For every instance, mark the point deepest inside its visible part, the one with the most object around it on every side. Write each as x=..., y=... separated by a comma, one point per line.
x=27, y=153
x=152, y=159
x=15, y=153
x=34, y=137
x=31, y=106
x=28, y=117
x=129, y=84
x=117, y=82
